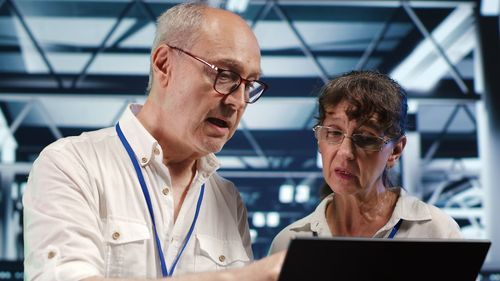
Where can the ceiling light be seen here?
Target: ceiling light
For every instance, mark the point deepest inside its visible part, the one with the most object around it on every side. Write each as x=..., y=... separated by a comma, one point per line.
x=490, y=7
x=237, y=6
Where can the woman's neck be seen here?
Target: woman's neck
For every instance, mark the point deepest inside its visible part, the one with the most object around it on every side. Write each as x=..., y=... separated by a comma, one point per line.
x=350, y=215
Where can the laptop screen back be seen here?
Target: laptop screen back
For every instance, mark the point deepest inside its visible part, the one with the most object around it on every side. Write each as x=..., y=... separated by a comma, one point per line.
x=383, y=259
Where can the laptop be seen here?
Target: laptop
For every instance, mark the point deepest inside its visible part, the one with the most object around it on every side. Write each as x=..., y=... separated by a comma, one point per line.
x=366, y=259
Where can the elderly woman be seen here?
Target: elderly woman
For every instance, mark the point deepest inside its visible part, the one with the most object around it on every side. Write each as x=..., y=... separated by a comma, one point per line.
x=361, y=135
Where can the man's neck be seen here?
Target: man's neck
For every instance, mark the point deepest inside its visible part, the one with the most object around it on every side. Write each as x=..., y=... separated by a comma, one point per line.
x=182, y=175
x=181, y=162
x=174, y=149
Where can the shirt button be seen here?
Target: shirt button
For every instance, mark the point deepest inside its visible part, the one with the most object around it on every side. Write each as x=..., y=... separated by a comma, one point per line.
x=165, y=191
x=156, y=151
x=116, y=235
x=51, y=254
x=222, y=258
x=144, y=160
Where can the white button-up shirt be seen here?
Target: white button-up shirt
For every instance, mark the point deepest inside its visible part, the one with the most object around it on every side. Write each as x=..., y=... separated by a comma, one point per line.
x=85, y=214
x=420, y=220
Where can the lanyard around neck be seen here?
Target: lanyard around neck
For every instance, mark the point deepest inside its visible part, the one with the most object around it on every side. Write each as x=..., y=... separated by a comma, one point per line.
x=145, y=192
x=395, y=229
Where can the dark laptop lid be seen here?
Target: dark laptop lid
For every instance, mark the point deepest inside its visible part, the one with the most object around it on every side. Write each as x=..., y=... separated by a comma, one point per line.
x=344, y=258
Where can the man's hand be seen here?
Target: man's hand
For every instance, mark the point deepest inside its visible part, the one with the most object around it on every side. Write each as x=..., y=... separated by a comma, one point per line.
x=265, y=269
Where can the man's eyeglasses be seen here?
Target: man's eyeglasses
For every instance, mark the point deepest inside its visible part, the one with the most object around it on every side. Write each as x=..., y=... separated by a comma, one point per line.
x=365, y=142
x=227, y=81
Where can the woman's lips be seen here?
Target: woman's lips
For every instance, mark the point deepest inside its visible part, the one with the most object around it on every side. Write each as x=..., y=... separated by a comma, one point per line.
x=344, y=174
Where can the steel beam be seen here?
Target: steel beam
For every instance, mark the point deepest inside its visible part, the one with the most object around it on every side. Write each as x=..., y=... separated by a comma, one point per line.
x=421, y=27
x=489, y=131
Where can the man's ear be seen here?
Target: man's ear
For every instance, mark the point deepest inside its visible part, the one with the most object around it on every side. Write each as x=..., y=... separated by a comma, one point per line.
x=160, y=62
x=396, y=152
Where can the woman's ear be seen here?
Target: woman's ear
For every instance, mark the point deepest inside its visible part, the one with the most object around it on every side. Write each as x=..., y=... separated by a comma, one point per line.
x=160, y=64
x=397, y=150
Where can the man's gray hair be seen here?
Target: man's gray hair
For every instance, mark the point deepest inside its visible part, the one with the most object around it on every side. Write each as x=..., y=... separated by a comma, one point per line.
x=179, y=26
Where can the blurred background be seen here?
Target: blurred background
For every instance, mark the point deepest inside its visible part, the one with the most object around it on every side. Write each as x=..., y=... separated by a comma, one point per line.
x=74, y=65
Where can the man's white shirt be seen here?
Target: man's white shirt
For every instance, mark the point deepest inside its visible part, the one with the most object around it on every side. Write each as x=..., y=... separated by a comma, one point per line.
x=85, y=214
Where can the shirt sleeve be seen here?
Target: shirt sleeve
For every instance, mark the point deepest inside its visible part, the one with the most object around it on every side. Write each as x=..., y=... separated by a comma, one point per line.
x=62, y=229
x=281, y=241
x=454, y=229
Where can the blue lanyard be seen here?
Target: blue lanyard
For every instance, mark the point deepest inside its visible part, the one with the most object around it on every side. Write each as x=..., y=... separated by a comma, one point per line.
x=395, y=229
x=144, y=187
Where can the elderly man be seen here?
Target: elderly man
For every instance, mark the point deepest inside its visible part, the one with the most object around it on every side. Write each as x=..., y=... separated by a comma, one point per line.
x=143, y=199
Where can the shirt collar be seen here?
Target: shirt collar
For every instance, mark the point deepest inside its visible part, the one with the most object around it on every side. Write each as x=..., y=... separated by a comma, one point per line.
x=317, y=220
x=410, y=208
x=141, y=141
x=147, y=148
x=407, y=208
x=208, y=165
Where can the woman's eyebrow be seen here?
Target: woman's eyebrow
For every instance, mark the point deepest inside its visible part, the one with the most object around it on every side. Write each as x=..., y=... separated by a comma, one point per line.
x=370, y=125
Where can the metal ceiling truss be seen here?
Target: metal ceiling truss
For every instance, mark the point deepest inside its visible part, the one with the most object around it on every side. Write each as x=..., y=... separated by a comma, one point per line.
x=14, y=10
x=421, y=27
x=82, y=82
x=81, y=76
x=431, y=152
x=277, y=6
x=303, y=45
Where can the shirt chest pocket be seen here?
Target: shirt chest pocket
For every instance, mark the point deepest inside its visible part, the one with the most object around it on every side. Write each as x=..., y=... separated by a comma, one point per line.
x=126, y=248
x=213, y=254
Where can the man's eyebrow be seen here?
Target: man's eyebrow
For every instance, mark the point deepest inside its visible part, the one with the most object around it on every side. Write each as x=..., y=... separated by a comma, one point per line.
x=235, y=66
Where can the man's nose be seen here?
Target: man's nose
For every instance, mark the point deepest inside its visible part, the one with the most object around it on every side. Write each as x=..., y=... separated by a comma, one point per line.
x=238, y=97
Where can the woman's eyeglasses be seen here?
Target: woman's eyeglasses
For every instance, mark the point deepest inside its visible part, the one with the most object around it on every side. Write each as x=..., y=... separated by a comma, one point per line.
x=365, y=142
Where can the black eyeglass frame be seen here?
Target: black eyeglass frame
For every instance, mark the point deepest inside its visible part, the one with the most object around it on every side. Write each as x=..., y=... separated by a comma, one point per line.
x=384, y=141
x=219, y=70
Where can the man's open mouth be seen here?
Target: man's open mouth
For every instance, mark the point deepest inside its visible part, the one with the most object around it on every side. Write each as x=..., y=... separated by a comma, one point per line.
x=218, y=122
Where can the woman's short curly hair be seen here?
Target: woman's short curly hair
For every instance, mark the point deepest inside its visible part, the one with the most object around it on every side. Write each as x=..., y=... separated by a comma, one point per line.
x=369, y=94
